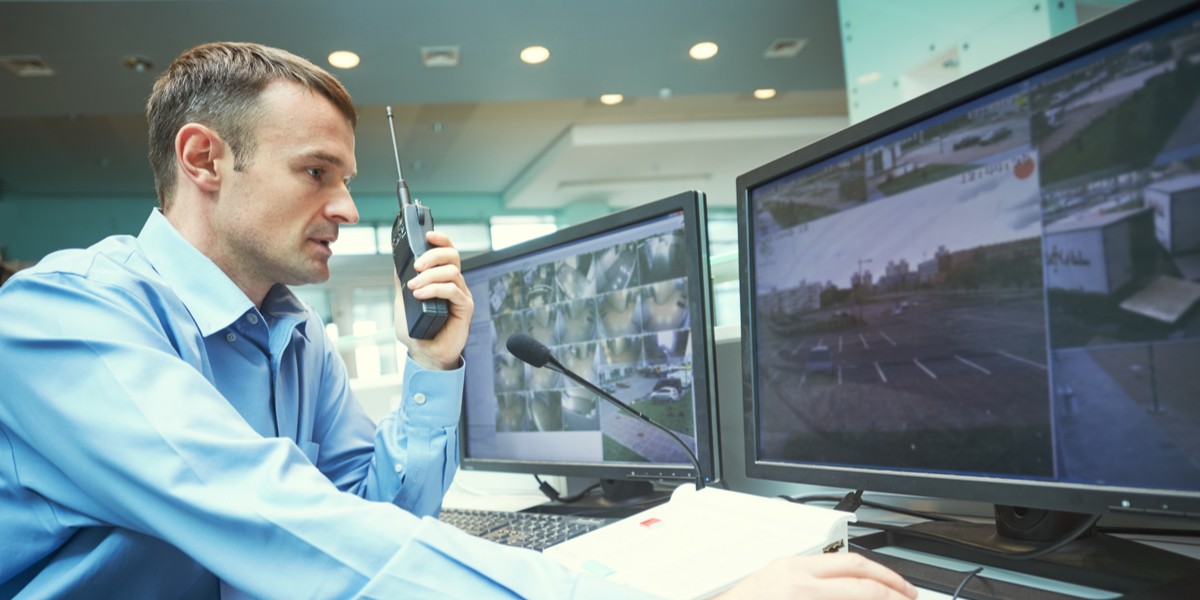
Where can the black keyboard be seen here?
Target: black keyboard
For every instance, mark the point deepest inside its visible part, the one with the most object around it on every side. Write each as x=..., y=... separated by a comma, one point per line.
x=523, y=530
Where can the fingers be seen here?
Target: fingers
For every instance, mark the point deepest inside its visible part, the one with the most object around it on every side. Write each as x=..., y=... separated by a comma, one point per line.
x=439, y=274
x=438, y=256
x=438, y=238
x=850, y=565
x=449, y=291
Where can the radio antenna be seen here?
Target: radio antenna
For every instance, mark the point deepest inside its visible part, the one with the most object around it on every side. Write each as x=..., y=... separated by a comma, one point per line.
x=401, y=187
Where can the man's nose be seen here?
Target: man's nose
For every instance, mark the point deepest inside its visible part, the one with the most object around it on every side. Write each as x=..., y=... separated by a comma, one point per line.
x=342, y=209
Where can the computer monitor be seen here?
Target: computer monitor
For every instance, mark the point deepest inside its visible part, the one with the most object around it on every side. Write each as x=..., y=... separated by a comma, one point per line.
x=989, y=293
x=622, y=300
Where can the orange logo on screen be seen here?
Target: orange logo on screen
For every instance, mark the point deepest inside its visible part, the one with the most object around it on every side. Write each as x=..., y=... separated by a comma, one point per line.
x=1024, y=168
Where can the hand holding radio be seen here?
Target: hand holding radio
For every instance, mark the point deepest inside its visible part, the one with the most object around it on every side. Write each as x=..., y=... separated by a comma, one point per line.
x=433, y=298
x=438, y=278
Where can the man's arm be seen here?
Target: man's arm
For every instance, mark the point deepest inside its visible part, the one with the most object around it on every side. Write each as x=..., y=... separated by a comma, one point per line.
x=414, y=454
x=113, y=424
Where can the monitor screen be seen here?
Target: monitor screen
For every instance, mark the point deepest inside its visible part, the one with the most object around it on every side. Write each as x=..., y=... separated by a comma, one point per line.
x=623, y=301
x=990, y=293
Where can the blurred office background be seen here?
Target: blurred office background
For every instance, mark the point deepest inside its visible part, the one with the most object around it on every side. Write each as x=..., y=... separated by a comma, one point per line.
x=619, y=113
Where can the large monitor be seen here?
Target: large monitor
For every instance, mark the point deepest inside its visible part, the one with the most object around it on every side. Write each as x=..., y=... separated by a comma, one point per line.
x=624, y=301
x=989, y=293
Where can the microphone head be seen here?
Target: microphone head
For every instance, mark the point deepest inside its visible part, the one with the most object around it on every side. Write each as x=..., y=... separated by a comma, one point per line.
x=528, y=349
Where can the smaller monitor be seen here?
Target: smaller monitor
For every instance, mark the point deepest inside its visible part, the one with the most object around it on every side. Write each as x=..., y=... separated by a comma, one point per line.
x=622, y=300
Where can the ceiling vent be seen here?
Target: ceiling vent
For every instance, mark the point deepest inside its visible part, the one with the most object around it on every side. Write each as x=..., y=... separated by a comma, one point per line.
x=27, y=66
x=439, y=56
x=785, y=48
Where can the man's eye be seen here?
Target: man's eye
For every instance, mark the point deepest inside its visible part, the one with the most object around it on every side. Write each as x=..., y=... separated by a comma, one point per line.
x=316, y=173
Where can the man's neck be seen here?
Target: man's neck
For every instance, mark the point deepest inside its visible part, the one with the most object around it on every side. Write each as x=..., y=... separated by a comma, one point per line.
x=200, y=236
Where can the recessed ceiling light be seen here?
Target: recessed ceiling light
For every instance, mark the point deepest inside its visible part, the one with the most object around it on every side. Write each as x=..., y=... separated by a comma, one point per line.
x=764, y=94
x=611, y=99
x=703, y=50
x=343, y=59
x=535, y=54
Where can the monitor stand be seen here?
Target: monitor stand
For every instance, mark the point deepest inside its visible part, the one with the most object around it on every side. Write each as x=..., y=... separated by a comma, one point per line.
x=1095, y=560
x=619, y=498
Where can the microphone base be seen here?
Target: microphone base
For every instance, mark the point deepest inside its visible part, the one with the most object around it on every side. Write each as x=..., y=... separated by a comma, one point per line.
x=620, y=499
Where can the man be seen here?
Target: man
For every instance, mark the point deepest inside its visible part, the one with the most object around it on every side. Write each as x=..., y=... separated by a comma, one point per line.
x=176, y=424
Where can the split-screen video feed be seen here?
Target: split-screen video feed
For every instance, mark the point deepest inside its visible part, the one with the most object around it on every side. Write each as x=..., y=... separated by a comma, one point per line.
x=1009, y=289
x=618, y=317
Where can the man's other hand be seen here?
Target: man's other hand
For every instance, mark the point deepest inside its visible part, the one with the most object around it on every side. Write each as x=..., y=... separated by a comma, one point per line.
x=841, y=576
x=439, y=275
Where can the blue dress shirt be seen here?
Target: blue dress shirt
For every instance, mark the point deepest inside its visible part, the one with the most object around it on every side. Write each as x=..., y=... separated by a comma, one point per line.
x=160, y=437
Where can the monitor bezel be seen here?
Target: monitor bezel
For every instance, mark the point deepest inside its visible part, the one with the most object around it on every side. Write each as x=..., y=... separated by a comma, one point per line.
x=1041, y=494
x=693, y=206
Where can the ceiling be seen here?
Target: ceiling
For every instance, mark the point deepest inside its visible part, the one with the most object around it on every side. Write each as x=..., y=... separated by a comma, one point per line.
x=534, y=135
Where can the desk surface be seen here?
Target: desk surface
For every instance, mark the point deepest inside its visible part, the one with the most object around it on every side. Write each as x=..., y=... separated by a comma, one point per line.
x=515, y=495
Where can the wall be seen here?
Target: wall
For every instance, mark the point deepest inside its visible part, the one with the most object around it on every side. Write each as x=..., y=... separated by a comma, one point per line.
x=896, y=50
x=35, y=227
x=32, y=227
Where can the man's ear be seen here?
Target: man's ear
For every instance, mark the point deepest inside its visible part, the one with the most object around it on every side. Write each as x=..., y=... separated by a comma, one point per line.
x=197, y=150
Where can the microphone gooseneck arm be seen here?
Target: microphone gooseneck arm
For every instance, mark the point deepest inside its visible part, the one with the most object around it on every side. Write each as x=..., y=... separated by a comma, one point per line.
x=556, y=366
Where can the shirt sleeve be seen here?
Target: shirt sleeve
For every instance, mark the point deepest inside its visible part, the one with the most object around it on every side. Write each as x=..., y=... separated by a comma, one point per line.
x=415, y=447
x=115, y=425
x=432, y=563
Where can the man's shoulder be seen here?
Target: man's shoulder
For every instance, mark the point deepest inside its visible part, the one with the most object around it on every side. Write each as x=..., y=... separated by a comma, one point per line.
x=115, y=261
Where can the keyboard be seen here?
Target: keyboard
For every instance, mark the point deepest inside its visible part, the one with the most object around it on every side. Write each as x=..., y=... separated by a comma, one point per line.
x=523, y=530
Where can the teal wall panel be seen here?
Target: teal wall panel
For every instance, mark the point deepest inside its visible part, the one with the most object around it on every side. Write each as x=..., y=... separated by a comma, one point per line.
x=32, y=227
x=895, y=50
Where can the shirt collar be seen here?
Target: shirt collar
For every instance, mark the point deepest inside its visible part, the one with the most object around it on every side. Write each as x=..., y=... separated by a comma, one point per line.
x=212, y=298
x=280, y=303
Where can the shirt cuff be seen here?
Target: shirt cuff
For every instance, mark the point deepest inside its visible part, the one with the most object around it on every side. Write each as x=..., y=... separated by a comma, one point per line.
x=433, y=398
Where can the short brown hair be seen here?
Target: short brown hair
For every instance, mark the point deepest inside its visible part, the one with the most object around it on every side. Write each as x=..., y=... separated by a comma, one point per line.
x=218, y=85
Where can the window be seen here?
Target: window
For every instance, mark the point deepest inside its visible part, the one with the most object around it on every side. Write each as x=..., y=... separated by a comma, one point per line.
x=468, y=238
x=511, y=230
x=354, y=240
x=722, y=234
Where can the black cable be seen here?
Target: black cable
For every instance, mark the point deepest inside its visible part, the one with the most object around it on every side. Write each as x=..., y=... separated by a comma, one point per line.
x=964, y=583
x=868, y=503
x=1032, y=554
x=851, y=503
x=553, y=495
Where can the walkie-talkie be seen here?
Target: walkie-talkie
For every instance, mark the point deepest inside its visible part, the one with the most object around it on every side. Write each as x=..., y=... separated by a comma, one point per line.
x=425, y=317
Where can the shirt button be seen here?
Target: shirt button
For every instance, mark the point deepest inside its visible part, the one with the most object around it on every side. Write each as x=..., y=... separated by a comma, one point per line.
x=399, y=467
x=253, y=318
x=230, y=337
x=419, y=398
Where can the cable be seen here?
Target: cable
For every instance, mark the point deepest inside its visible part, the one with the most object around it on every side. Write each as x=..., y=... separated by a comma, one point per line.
x=851, y=503
x=964, y=583
x=553, y=495
x=868, y=503
x=1032, y=554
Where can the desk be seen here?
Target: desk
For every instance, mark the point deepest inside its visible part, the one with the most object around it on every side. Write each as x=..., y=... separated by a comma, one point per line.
x=509, y=492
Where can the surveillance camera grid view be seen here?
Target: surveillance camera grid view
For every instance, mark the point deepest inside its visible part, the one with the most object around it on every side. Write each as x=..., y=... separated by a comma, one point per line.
x=619, y=317
x=1009, y=289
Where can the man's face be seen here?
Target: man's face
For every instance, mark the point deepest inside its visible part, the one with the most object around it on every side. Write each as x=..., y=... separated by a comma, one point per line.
x=275, y=219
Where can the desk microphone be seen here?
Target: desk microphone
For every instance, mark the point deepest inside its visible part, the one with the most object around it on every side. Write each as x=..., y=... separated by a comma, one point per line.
x=529, y=350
